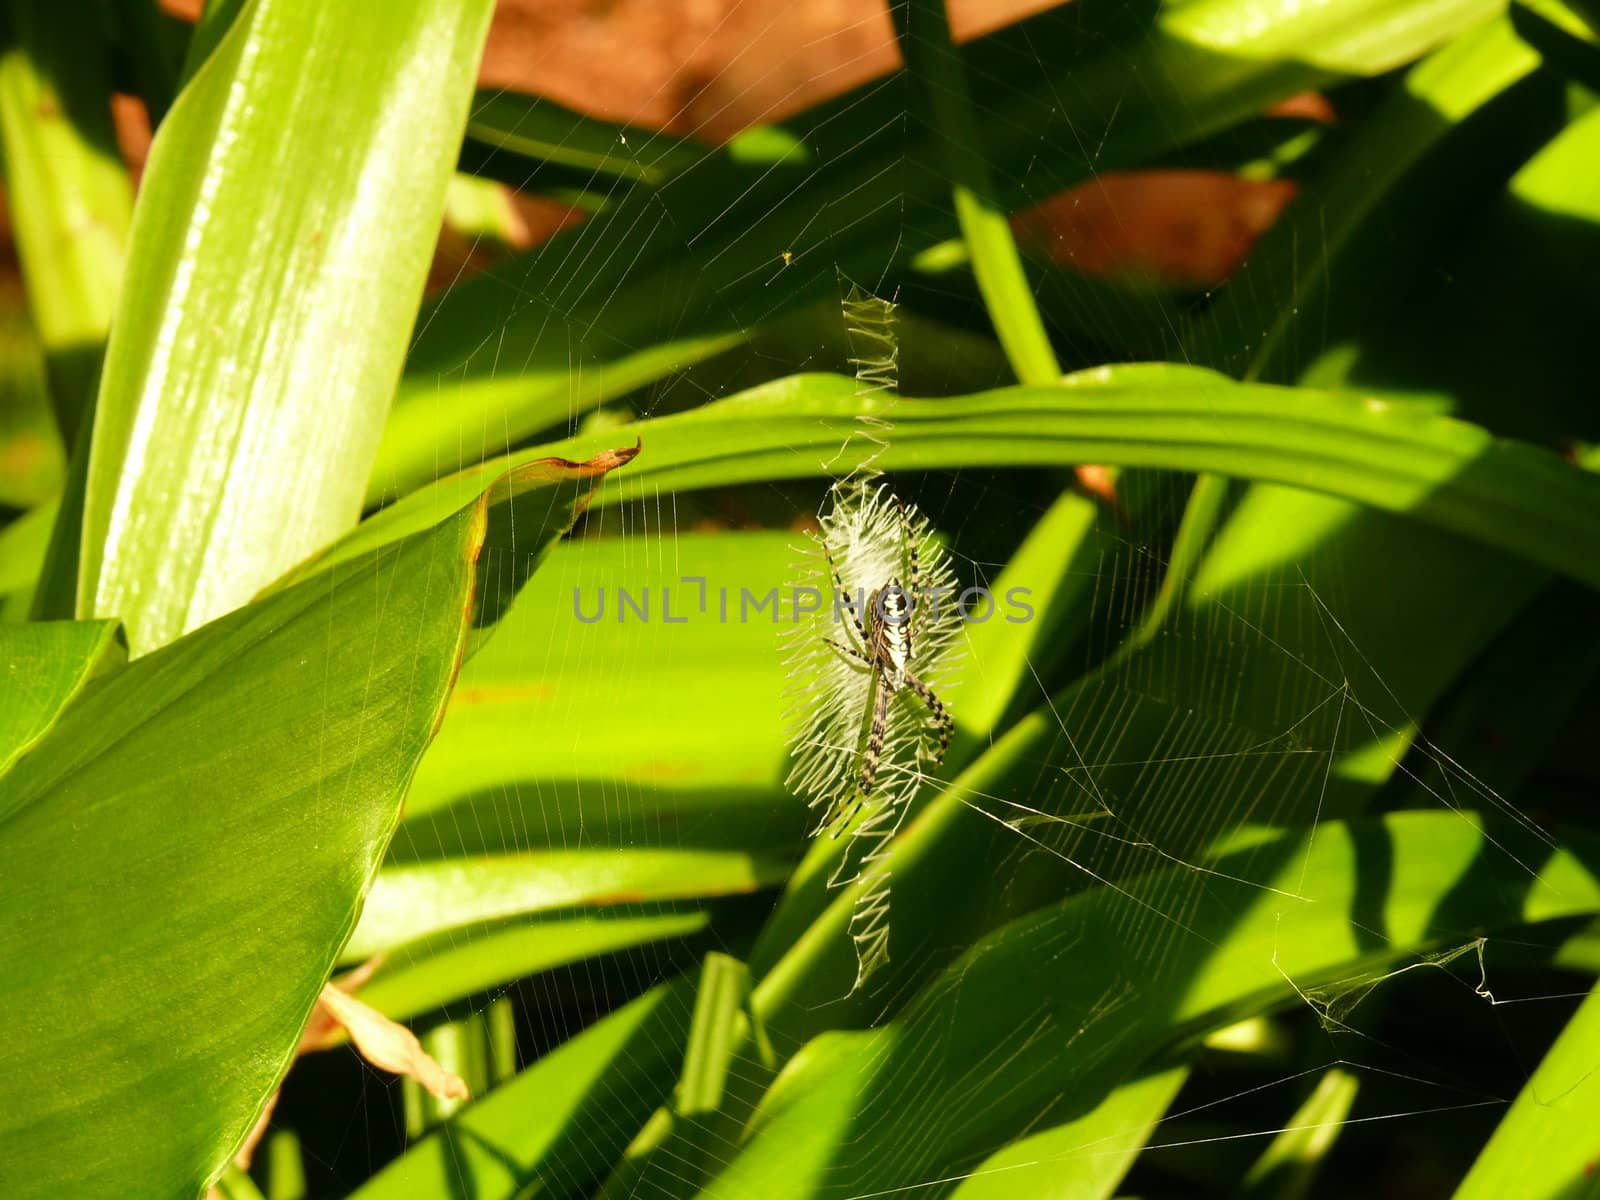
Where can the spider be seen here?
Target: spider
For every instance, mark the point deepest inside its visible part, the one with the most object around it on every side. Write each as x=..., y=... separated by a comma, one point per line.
x=883, y=647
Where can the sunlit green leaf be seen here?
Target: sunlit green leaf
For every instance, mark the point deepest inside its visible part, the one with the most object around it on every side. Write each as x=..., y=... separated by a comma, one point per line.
x=418, y=900
x=160, y=991
x=43, y=665
x=267, y=308
x=1546, y=1144
x=1445, y=472
x=422, y=976
x=1084, y=1159
x=557, y=1124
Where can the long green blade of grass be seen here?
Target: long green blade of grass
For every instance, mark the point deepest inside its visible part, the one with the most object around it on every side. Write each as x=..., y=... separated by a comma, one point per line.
x=934, y=61
x=1446, y=472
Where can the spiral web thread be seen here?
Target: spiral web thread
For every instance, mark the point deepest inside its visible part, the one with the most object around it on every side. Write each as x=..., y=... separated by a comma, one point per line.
x=870, y=535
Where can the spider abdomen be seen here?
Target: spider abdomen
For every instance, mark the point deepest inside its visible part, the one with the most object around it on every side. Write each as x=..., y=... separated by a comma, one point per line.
x=891, y=619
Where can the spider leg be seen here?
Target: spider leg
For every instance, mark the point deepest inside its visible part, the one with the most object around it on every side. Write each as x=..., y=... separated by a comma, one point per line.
x=841, y=816
x=875, y=739
x=913, y=573
x=851, y=653
x=841, y=590
x=936, y=708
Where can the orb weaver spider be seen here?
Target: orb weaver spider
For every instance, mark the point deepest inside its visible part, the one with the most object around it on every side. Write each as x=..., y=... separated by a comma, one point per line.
x=883, y=647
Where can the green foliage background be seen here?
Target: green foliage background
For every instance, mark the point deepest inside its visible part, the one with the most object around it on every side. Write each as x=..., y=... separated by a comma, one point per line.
x=1237, y=837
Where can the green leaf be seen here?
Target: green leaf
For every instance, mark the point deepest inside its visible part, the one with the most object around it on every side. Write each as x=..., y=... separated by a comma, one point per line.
x=538, y=128
x=71, y=204
x=1278, y=921
x=44, y=665
x=559, y=1123
x=516, y=495
x=282, y=234
x=237, y=1185
x=922, y=30
x=1525, y=685
x=1446, y=472
x=1057, y=584
x=426, y=975
x=1546, y=1145
x=1288, y=1168
x=23, y=545
x=419, y=900
x=1200, y=516
x=443, y=422
x=1270, y=306
x=33, y=460
x=68, y=192
x=1563, y=35
x=651, y=294
x=704, y=771
x=713, y=1033
x=1083, y=1159
x=191, y=841
x=1254, y=615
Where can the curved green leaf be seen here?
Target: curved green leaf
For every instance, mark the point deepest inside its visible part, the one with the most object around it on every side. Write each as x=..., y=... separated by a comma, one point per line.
x=190, y=843
x=721, y=246
x=1450, y=473
x=441, y=423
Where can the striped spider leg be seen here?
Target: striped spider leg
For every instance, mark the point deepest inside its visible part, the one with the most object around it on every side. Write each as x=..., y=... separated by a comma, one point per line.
x=883, y=646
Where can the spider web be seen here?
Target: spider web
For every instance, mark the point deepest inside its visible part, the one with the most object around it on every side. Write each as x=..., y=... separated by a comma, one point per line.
x=1143, y=762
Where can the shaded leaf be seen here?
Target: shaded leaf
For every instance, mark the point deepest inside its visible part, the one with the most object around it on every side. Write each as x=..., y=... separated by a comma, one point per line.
x=1276, y=922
